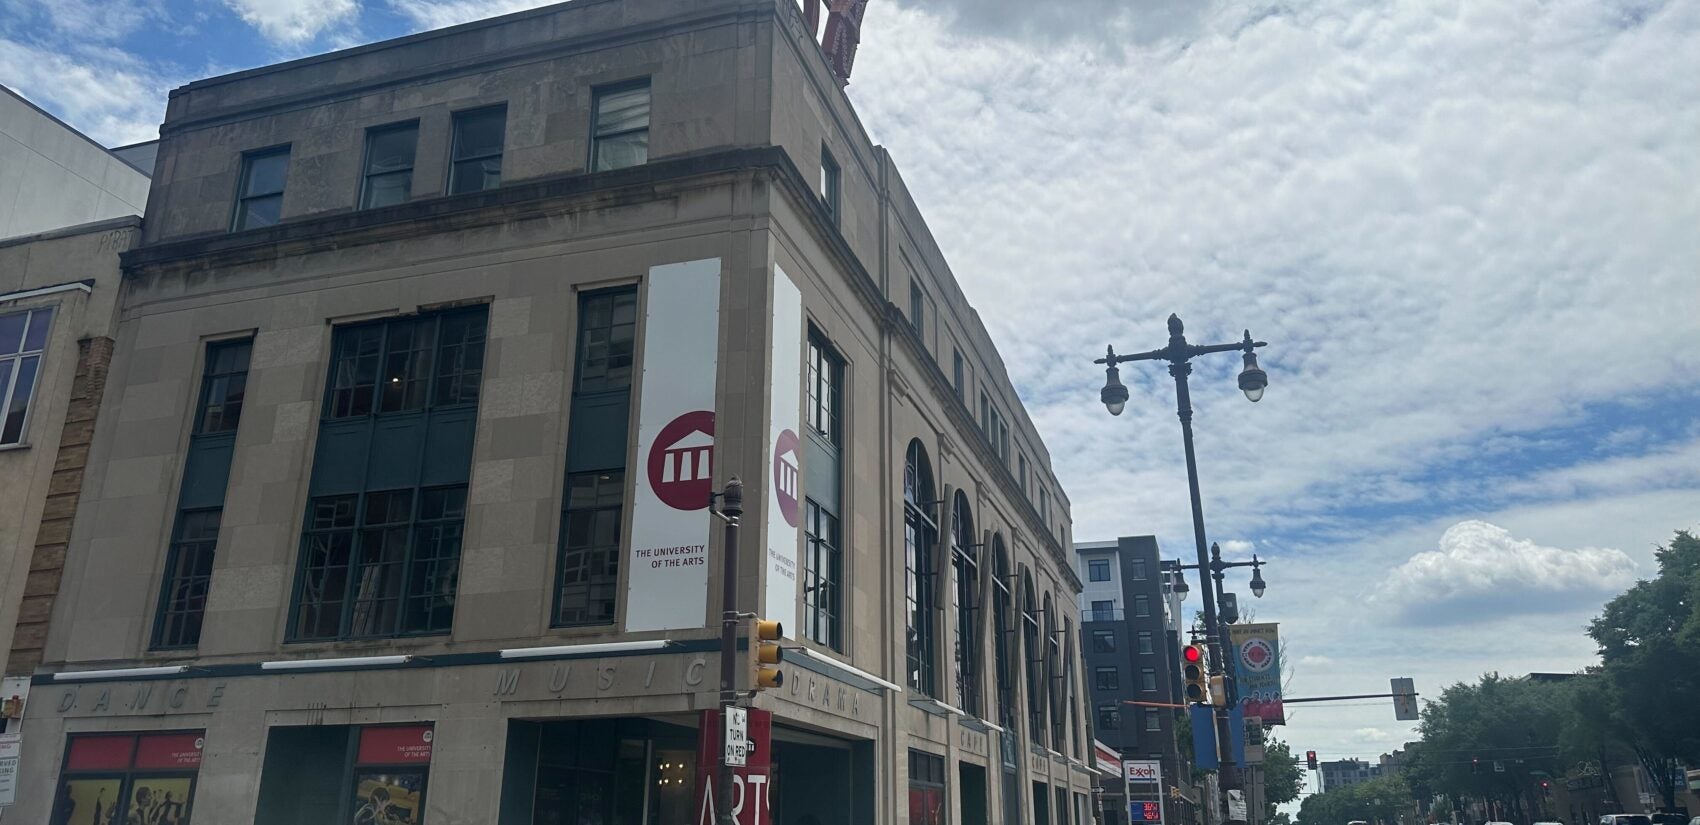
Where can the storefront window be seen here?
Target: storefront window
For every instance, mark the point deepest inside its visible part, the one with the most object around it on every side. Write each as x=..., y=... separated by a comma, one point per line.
x=122, y=778
x=926, y=789
x=322, y=774
x=389, y=774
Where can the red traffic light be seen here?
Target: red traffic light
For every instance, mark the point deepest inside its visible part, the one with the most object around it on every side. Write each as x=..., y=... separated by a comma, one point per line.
x=1192, y=654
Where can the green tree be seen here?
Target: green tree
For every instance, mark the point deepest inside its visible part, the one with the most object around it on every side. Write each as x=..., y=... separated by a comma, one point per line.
x=1380, y=800
x=1492, y=742
x=1649, y=640
x=1282, y=777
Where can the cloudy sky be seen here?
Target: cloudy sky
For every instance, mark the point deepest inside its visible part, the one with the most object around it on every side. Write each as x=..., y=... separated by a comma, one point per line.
x=1469, y=230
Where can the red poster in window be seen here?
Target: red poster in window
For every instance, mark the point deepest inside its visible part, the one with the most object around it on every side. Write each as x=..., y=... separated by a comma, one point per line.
x=170, y=751
x=395, y=745
x=100, y=753
x=751, y=792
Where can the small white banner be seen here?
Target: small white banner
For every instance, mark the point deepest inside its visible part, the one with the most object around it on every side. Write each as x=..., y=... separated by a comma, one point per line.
x=785, y=454
x=667, y=572
x=11, y=746
x=737, y=737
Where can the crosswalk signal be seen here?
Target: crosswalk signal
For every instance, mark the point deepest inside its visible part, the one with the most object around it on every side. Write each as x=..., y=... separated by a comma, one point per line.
x=765, y=654
x=1219, y=691
x=1475, y=765
x=1194, y=675
x=1310, y=760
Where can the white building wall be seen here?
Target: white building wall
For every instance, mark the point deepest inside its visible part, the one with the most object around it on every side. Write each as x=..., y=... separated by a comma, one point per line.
x=52, y=176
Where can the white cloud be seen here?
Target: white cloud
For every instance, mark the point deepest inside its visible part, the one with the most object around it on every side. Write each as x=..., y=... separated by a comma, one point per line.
x=1482, y=573
x=103, y=92
x=294, y=22
x=1237, y=549
x=437, y=14
x=1373, y=735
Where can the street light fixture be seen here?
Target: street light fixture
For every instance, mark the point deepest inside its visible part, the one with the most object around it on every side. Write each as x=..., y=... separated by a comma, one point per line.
x=1252, y=381
x=1257, y=585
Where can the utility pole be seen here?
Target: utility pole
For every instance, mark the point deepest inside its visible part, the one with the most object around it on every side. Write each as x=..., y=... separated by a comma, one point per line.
x=731, y=510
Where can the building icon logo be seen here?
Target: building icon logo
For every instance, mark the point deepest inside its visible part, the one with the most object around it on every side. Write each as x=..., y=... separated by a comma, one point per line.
x=787, y=477
x=681, y=461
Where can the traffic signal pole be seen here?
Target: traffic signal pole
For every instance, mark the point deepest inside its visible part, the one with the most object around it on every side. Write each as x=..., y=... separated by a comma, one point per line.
x=731, y=510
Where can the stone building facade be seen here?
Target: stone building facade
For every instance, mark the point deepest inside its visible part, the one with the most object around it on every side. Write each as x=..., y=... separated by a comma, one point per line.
x=427, y=359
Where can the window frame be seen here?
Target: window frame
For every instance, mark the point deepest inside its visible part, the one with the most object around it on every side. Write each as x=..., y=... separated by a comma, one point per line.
x=832, y=183
x=917, y=306
x=456, y=121
x=1145, y=644
x=1106, y=677
x=1141, y=606
x=1109, y=716
x=240, y=202
x=1098, y=570
x=1103, y=641
x=597, y=95
x=15, y=362
x=366, y=173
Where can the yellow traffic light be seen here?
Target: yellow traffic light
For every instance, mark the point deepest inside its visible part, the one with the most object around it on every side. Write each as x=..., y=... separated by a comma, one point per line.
x=1194, y=674
x=1218, y=691
x=765, y=654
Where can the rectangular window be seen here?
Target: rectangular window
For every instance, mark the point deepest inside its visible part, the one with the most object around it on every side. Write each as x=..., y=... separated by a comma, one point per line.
x=1044, y=507
x=475, y=160
x=1098, y=570
x=1141, y=605
x=1136, y=569
x=380, y=553
x=1145, y=648
x=1148, y=680
x=829, y=183
x=825, y=382
x=1021, y=476
x=590, y=548
x=259, y=194
x=388, y=177
x=985, y=413
x=822, y=562
x=189, y=559
x=1103, y=641
x=958, y=375
x=23, y=340
x=150, y=776
x=1152, y=720
x=917, y=307
x=926, y=789
x=1109, y=717
x=619, y=134
x=1104, y=610
x=593, y=510
x=343, y=773
x=1106, y=678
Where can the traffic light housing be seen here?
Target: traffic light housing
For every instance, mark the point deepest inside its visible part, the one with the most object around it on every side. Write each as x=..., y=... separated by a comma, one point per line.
x=1475, y=765
x=1310, y=760
x=1195, y=674
x=1219, y=691
x=765, y=654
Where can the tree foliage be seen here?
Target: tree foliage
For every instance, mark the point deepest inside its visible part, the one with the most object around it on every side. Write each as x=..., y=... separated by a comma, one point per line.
x=1379, y=800
x=1283, y=779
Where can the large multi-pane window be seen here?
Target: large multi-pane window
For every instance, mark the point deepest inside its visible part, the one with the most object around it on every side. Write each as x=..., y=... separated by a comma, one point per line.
x=1002, y=606
x=380, y=553
x=388, y=177
x=1034, y=658
x=475, y=159
x=1103, y=641
x=926, y=789
x=592, y=511
x=259, y=194
x=23, y=339
x=1098, y=570
x=823, y=558
x=189, y=560
x=965, y=565
x=1109, y=717
x=1107, y=678
x=920, y=534
x=620, y=131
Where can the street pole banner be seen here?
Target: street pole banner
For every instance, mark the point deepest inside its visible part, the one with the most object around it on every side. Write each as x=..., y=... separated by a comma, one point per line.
x=667, y=571
x=784, y=454
x=1257, y=670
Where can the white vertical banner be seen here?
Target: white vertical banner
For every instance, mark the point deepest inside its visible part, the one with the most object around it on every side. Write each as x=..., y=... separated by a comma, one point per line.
x=784, y=453
x=667, y=568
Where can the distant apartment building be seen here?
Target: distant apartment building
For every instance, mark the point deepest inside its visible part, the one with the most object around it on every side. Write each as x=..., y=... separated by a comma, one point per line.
x=1343, y=773
x=429, y=355
x=1130, y=630
x=53, y=176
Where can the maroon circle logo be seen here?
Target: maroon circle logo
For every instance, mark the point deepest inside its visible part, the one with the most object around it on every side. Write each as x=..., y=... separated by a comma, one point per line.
x=786, y=475
x=681, y=461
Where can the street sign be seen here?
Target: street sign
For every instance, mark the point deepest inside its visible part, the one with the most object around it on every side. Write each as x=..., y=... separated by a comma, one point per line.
x=11, y=744
x=1236, y=805
x=737, y=737
x=1405, y=700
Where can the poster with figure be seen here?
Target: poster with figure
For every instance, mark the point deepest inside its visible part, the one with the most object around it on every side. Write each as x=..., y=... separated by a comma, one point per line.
x=88, y=802
x=158, y=801
x=1256, y=659
x=388, y=797
x=667, y=568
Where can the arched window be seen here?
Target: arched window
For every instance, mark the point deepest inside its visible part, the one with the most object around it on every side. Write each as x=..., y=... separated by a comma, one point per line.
x=1034, y=658
x=1002, y=605
x=920, y=534
x=1054, y=675
x=965, y=564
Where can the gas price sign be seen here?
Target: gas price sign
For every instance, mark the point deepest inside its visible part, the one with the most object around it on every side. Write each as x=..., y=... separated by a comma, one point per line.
x=1140, y=811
